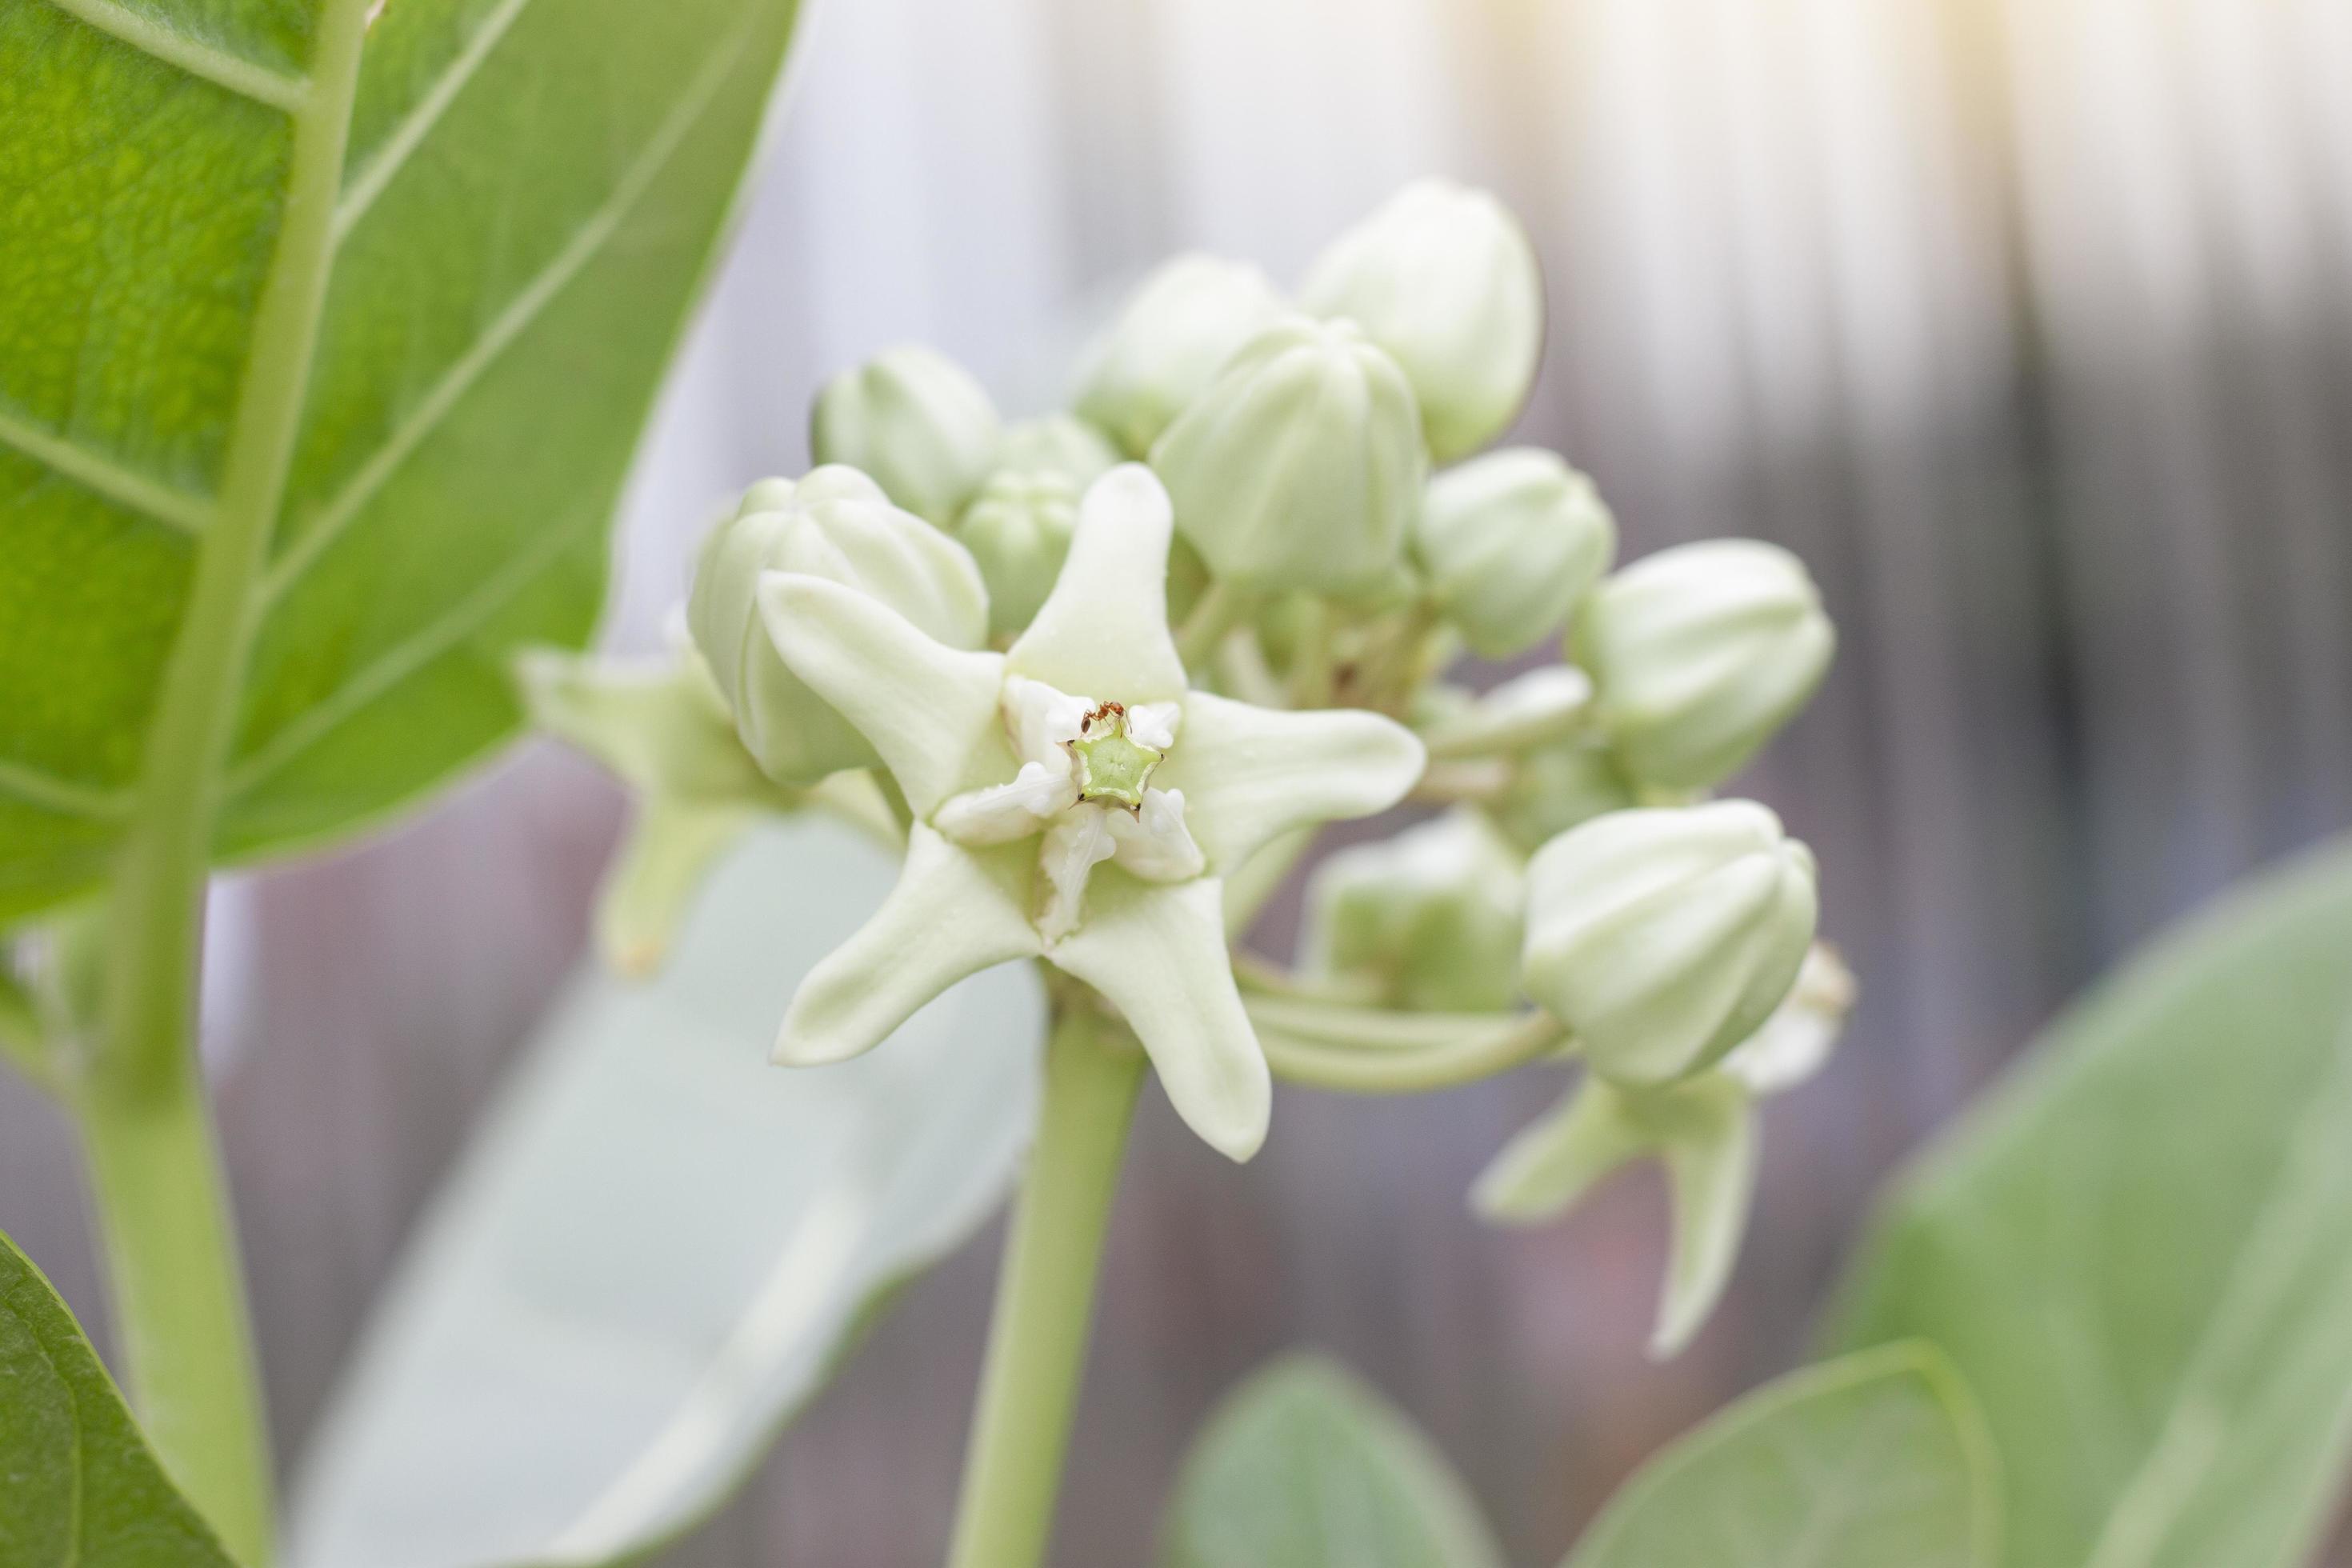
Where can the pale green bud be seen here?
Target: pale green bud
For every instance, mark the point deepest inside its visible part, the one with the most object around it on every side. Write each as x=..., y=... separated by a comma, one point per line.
x=1663, y=938
x=916, y=421
x=1510, y=543
x=835, y=523
x=1444, y=277
x=1301, y=467
x=1700, y=653
x=1180, y=327
x=1430, y=918
x=1018, y=530
x=1060, y=444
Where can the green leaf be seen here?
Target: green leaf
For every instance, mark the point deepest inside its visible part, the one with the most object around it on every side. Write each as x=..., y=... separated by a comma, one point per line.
x=1304, y=1466
x=1867, y=1462
x=419, y=410
x=660, y=1246
x=78, y=1486
x=2139, y=1251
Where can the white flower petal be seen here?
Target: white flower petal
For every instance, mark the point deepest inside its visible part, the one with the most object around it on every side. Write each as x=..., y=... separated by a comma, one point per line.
x=1104, y=628
x=1153, y=724
x=929, y=708
x=1542, y=1172
x=1711, y=1172
x=1003, y=812
x=1154, y=842
x=1041, y=718
x=1159, y=954
x=1252, y=773
x=952, y=913
x=1076, y=841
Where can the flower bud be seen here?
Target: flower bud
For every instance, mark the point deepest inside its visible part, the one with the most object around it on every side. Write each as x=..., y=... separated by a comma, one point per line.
x=1430, y=918
x=1444, y=277
x=916, y=421
x=1301, y=467
x=1058, y=443
x=1184, y=321
x=1663, y=938
x=1018, y=530
x=1700, y=654
x=1510, y=541
x=833, y=524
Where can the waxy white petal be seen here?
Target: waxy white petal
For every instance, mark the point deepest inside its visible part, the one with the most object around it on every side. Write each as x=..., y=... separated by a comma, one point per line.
x=1003, y=812
x=1076, y=841
x=1159, y=954
x=952, y=913
x=1104, y=628
x=1154, y=842
x=929, y=709
x=1711, y=1173
x=1252, y=773
x=1154, y=725
x=1041, y=718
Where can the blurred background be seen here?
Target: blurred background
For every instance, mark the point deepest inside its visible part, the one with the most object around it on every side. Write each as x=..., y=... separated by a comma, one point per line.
x=2028, y=324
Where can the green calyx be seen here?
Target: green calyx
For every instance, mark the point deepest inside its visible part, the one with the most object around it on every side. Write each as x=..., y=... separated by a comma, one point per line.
x=1111, y=765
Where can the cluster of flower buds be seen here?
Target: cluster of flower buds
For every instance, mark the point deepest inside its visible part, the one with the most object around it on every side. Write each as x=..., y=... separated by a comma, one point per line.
x=1102, y=672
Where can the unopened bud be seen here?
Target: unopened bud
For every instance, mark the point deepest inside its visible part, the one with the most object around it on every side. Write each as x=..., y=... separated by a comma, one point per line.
x=1510, y=541
x=1664, y=937
x=1430, y=918
x=1443, y=276
x=1060, y=444
x=1700, y=653
x=1183, y=323
x=1018, y=530
x=835, y=523
x=917, y=422
x=1302, y=466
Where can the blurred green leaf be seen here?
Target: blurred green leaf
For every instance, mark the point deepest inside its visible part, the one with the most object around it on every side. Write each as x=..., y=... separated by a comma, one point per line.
x=78, y=1486
x=1873, y=1461
x=2138, y=1250
x=529, y=197
x=1304, y=1466
x=660, y=1246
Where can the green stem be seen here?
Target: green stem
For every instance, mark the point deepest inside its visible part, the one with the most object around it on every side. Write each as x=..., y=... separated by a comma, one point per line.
x=179, y=1301
x=1044, y=1298
x=178, y=1297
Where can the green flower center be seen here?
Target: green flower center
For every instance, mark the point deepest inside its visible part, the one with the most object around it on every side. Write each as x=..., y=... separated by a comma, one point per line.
x=1112, y=767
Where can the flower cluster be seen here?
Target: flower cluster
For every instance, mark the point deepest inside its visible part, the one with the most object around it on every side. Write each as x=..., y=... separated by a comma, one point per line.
x=1103, y=672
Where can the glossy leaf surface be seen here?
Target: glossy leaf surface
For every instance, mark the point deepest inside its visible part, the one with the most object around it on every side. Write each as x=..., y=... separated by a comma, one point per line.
x=1304, y=1467
x=529, y=192
x=2139, y=1251
x=1867, y=1462
x=78, y=1486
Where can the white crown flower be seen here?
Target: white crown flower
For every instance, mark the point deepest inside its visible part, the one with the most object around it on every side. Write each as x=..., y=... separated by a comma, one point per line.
x=1075, y=800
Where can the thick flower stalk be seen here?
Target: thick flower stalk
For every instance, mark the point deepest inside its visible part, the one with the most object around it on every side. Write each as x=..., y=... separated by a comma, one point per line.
x=1074, y=799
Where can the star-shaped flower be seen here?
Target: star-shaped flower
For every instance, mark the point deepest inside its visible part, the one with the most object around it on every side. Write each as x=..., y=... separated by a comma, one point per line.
x=1074, y=800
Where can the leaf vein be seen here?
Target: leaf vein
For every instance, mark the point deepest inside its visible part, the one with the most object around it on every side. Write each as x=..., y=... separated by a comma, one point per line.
x=370, y=180
x=35, y=786
x=107, y=477
x=410, y=654
x=510, y=324
x=223, y=69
